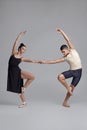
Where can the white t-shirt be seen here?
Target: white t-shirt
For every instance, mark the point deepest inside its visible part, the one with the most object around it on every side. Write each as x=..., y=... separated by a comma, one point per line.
x=73, y=59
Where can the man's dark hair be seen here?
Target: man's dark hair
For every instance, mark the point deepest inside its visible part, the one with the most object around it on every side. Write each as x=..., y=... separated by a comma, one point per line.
x=63, y=47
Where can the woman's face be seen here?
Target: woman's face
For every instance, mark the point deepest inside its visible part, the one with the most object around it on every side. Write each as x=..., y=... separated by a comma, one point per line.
x=22, y=49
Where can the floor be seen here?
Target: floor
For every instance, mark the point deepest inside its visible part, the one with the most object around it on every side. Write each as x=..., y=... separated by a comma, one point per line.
x=38, y=115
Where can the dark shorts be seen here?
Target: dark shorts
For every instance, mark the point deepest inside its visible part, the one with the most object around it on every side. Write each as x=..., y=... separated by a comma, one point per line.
x=75, y=74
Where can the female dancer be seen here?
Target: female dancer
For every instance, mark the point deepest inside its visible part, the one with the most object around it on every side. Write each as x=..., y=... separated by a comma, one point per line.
x=15, y=74
x=72, y=57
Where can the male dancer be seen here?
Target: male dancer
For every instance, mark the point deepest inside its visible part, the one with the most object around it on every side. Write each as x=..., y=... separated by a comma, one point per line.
x=71, y=56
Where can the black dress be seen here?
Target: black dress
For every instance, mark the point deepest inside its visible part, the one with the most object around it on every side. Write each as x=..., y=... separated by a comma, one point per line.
x=14, y=81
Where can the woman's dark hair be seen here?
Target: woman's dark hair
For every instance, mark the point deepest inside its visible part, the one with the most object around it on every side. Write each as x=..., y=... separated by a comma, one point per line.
x=21, y=45
x=63, y=47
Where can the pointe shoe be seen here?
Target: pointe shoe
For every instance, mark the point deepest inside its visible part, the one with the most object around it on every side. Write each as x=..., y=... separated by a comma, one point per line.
x=22, y=105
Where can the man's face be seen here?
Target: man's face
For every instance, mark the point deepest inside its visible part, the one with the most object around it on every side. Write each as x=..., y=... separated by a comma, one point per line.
x=65, y=52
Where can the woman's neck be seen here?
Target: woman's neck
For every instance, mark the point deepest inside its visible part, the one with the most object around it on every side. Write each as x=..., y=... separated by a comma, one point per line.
x=18, y=54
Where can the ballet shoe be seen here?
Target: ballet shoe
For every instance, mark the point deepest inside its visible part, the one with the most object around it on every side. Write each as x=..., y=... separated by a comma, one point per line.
x=22, y=105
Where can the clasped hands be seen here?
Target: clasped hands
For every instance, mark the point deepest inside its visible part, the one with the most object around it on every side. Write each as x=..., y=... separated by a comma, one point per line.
x=39, y=61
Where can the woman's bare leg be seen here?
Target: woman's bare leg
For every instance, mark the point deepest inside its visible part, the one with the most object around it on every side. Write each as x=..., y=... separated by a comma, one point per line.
x=22, y=97
x=61, y=78
x=29, y=78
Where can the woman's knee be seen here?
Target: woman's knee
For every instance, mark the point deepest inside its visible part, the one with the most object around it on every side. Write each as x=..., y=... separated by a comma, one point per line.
x=26, y=75
x=32, y=77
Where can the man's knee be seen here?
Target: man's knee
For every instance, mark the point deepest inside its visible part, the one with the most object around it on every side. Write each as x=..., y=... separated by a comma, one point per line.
x=60, y=77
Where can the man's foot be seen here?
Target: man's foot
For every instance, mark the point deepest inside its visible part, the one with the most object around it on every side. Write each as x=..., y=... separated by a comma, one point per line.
x=22, y=105
x=65, y=104
x=70, y=91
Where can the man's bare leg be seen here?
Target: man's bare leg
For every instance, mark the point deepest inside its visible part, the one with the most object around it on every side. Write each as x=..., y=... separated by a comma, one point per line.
x=61, y=78
x=65, y=104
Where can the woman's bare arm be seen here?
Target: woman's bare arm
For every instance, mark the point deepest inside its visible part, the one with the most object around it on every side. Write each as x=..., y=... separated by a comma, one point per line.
x=29, y=60
x=14, y=49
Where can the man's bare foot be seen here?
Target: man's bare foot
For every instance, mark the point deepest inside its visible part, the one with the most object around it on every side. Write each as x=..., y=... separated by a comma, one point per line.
x=70, y=91
x=65, y=104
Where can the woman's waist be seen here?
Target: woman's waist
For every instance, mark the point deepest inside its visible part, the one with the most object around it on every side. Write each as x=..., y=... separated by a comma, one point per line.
x=14, y=66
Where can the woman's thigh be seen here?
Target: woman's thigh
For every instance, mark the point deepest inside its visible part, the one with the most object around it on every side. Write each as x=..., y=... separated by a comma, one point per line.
x=27, y=75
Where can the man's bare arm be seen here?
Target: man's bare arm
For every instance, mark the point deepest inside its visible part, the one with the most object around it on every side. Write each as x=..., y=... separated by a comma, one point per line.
x=70, y=44
x=53, y=61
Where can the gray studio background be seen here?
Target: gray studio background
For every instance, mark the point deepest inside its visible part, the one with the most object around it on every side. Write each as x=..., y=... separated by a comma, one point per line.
x=41, y=18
